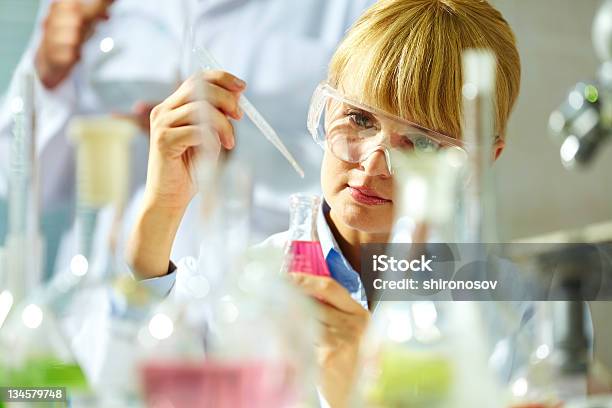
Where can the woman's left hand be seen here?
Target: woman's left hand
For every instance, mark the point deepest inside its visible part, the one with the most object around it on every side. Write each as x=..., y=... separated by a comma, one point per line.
x=343, y=325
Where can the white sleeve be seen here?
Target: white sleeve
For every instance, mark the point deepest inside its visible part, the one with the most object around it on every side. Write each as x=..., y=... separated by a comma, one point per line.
x=162, y=285
x=182, y=282
x=53, y=110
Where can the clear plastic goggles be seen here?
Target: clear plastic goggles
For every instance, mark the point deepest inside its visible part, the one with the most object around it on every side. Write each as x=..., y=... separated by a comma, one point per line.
x=354, y=131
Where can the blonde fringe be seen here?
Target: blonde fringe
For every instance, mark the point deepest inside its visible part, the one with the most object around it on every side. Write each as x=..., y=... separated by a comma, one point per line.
x=404, y=56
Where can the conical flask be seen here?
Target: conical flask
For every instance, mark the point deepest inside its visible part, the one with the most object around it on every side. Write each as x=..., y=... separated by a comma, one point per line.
x=247, y=330
x=425, y=349
x=304, y=253
x=39, y=354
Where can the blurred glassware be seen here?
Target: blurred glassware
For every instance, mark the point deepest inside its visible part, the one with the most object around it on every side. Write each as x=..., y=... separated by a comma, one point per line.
x=235, y=332
x=40, y=355
x=548, y=377
x=83, y=291
x=114, y=376
x=429, y=354
x=24, y=246
x=424, y=351
x=102, y=144
x=600, y=401
x=78, y=301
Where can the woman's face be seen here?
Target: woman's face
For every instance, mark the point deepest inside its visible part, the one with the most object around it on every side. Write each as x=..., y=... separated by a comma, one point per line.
x=360, y=195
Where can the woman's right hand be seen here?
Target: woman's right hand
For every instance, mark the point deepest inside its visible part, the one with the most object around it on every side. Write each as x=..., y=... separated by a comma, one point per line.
x=192, y=121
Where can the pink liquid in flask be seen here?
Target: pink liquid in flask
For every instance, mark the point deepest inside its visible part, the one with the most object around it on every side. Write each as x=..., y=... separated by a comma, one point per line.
x=304, y=254
x=307, y=257
x=218, y=385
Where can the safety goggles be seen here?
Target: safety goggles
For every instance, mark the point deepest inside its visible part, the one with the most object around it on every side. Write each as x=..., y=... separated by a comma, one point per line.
x=354, y=131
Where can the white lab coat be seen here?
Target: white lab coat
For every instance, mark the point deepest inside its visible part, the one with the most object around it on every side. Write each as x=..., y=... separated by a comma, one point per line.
x=281, y=48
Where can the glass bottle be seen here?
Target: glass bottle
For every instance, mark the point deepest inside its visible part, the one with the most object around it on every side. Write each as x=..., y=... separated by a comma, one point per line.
x=35, y=352
x=544, y=378
x=23, y=242
x=424, y=349
x=70, y=311
x=249, y=332
x=40, y=354
x=114, y=374
x=84, y=288
x=103, y=174
x=304, y=253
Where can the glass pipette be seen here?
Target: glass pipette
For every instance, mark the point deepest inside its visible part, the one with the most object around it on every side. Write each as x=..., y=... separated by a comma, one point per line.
x=207, y=61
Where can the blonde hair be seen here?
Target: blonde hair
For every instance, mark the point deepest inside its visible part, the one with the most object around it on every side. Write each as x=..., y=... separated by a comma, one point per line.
x=404, y=56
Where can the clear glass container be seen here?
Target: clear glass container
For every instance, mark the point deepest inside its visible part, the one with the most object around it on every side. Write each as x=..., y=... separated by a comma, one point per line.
x=543, y=378
x=234, y=332
x=426, y=350
x=40, y=355
x=304, y=253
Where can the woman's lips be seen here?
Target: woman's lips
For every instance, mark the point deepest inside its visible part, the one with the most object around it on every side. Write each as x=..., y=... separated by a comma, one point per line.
x=366, y=196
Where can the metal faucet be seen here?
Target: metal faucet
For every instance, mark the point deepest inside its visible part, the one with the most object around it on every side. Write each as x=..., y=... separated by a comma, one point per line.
x=583, y=122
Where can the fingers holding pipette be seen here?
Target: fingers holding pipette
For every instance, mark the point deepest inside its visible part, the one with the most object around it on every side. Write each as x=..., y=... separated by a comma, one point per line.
x=195, y=119
x=206, y=99
x=225, y=79
x=176, y=141
x=219, y=88
x=213, y=123
x=220, y=98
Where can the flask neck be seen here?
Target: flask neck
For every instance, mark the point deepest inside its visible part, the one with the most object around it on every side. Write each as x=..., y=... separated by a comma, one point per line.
x=304, y=211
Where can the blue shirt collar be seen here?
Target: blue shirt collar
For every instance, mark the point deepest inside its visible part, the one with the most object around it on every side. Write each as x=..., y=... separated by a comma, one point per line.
x=339, y=267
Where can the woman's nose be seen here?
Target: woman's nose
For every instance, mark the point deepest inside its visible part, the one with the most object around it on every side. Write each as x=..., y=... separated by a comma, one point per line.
x=377, y=164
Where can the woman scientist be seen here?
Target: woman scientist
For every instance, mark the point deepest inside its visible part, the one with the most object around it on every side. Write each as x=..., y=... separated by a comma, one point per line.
x=400, y=62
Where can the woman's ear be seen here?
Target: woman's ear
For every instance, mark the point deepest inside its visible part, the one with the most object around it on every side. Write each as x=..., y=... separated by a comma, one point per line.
x=498, y=147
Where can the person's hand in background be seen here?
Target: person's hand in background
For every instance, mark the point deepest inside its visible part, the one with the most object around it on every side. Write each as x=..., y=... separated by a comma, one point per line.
x=69, y=23
x=343, y=325
x=140, y=115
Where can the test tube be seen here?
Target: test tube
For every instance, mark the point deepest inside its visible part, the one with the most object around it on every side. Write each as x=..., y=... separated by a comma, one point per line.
x=23, y=242
x=479, y=79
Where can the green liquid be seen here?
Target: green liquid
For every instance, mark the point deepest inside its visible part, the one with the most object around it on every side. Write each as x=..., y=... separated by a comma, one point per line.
x=411, y=378
x=45, y=372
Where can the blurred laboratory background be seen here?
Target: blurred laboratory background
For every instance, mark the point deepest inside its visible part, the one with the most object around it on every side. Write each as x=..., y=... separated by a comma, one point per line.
x=537, y=194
